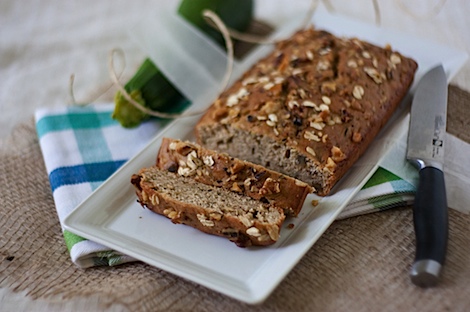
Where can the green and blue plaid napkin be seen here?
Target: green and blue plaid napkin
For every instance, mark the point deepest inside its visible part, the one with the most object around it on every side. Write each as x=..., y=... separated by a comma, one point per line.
x=83, y=146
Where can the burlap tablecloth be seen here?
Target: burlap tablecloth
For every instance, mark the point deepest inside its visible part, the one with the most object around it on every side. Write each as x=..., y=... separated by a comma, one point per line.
x=359, y=264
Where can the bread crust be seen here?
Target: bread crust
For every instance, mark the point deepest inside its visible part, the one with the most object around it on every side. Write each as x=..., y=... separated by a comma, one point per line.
x=221, y=170
x=317, y=98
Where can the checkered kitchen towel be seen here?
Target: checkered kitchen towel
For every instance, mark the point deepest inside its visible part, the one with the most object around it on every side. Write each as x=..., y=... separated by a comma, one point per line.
x=83, y=146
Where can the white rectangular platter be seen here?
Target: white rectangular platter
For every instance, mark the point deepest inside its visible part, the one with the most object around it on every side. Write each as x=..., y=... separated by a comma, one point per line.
x=111, y=216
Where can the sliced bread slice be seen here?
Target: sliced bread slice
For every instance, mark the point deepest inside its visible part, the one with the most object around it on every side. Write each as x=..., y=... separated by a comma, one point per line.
x=243, y=177
x=213, y=210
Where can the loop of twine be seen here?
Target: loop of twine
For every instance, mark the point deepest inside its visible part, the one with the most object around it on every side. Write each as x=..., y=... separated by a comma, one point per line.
x=98, y=92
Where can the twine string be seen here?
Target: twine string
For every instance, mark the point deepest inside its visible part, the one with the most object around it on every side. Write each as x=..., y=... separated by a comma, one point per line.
x=99, y=92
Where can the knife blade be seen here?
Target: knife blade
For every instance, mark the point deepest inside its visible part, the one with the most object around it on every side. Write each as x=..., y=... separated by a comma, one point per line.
x=426, y=152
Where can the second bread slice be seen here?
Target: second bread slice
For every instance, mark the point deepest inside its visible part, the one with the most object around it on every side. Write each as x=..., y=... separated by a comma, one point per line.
x=213, y=210
x=242, y=177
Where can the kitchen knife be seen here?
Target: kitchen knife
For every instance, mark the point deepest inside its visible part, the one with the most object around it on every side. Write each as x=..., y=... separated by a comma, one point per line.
x=426, y=151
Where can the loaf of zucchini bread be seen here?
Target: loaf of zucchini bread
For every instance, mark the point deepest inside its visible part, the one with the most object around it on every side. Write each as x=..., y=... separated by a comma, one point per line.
x=311, y=108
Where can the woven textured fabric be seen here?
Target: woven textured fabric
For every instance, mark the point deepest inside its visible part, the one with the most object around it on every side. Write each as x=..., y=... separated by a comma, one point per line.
x=359, y=264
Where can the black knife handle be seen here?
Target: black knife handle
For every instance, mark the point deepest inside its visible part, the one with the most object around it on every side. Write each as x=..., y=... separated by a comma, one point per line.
x=431, y=227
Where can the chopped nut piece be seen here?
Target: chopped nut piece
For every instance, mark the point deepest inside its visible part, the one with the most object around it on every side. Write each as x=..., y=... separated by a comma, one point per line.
x=395, y=59
x=337, y=154
x=172, y=146
x=270, y=186
x=208, y=160
x=357, y=137
x=366, y=55
x=330, y=164
x=215, y=216
x=192, y=164
x=232, y=100
x=237, y=167
x=328, y=87
x=185, y=172
x=242, y=93
x=234, y=112
x=314, y=202
x=183, y=149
